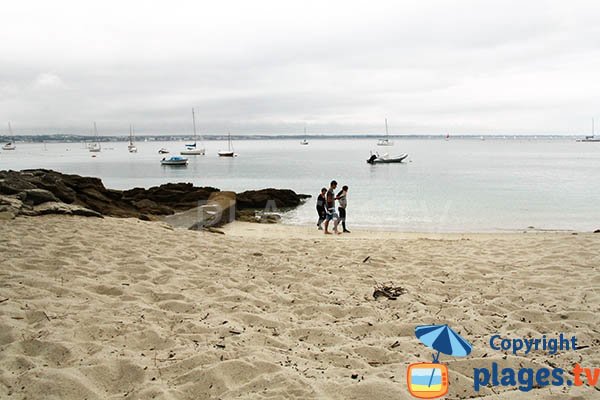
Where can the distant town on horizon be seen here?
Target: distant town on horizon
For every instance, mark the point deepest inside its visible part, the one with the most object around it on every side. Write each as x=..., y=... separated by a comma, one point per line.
x=69, y=138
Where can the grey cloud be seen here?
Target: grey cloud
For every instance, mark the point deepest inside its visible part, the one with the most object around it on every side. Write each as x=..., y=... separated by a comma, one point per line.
x=272, y=67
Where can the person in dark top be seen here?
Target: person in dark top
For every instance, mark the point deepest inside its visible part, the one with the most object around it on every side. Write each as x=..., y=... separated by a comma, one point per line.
x=321, y=208
x=330, y=208
x=343, y=203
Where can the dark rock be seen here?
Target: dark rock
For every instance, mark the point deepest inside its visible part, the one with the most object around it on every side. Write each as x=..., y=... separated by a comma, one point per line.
x=148, y=206
x=58, y=188
x=176, y=196
x=12, y=183
x=269, y=199
x=25, y=192
x=37, y=196
x=597, y=231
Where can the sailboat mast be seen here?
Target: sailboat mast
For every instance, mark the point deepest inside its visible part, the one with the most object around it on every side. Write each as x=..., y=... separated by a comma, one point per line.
x=592, y=127
x=229, y=140
x=130, y=135
x=387, y=135
x=194, y=122
x=95, y=132
x=10, y=130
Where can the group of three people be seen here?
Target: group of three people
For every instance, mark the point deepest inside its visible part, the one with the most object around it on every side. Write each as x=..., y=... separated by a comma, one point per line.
x=326, y=208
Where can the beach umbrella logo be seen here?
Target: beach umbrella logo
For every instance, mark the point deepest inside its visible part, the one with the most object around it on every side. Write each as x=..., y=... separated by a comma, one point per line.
x=429, y=380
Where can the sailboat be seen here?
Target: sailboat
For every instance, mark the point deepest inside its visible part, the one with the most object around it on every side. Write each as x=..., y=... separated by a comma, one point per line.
x=131, y=147
x=591, y=138
x=304, y=142
x=9, y=145
x=95, y=147
x=386, y=141
x=191, y=149
x=229, y=152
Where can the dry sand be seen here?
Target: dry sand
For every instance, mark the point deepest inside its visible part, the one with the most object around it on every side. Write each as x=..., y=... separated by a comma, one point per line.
x=120, y=308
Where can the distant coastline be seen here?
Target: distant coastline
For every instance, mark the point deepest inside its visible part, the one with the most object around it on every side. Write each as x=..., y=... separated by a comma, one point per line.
x=62, y=138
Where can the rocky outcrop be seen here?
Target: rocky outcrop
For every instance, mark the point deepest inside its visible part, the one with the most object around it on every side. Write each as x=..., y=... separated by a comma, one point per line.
x=173, y=196
x=40, y=191
x=269, y=199
x=36, y=196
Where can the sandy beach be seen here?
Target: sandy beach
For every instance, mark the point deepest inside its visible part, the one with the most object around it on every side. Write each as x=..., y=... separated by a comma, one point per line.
x=121, y=308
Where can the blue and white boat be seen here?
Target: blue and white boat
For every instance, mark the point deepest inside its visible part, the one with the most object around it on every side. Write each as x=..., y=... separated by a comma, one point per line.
x=174, y=160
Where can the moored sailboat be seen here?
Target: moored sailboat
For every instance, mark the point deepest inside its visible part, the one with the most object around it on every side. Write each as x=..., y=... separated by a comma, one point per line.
x=386, y=141
x=95, y=147
x=229, y=152
x=131, y=147
x=192, y=149
x=304, y=142
x=591, y=138
x=10, y=145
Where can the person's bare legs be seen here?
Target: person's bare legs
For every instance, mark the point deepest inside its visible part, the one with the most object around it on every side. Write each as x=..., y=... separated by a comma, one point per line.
x=335, y=225
x=327, y=227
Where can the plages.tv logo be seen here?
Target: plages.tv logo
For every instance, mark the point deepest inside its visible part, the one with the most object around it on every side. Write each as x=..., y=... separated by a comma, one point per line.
x=429, y=380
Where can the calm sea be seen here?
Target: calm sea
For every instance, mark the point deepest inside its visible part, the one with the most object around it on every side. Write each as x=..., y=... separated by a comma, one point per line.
x=453, y=185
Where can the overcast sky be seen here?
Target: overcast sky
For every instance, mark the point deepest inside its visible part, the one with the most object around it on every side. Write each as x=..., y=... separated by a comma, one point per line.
x=275, y=66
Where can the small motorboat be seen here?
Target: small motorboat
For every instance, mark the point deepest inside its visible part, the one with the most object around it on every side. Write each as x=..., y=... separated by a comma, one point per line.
x=163, y=151
x=174, y=161
x=386, y=159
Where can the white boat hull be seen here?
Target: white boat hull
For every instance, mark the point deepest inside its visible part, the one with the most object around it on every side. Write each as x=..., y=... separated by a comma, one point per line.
x=196, y=152
x=385, y=159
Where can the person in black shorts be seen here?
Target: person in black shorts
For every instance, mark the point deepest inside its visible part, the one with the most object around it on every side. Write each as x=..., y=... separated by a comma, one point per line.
x=321, y=208
x=343, y=203
x=330, y=214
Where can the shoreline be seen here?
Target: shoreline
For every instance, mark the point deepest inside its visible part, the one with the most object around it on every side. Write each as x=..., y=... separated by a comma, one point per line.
x=251, y=229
